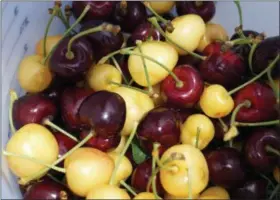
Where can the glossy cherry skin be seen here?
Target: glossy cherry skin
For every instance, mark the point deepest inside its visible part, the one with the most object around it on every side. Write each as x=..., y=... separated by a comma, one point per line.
x=65, y=143
x=99, y=10
x=141, y=176
x=103, y=42
x=189, y=60
x=263, y=103
x=32, y=108
x=104, y=112
x=212, y=48
x=160, y=125
x=255, y=149
x=226, y=168
x=48, y=189
x=187, y=95
x=251, y=189
x=129, y=18
x=103, y=144
x=72, y=69
x=71, y=100
x=206, y=10
x=183, y=113
x=219, y=129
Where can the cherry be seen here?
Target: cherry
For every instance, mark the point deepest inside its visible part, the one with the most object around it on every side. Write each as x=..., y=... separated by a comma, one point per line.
x=47, y=189
x=71, y=100
x=258, y=147
x=160, y=125
x=141, y=175
x=212, y=48
x=183, y=112
x=103, y=111
x=128, y=14
x=262, y=100
x=189, y=60
x=99, y=10
x=187, y=95
x=206, y=9
x=103, y=144
x=221, y=128
x=64, y=143
x=226, y=168
x=103, y=42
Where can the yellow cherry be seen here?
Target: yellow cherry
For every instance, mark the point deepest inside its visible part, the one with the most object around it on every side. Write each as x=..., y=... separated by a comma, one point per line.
x=188, y=31
x=171, y=197
x=276, y=174
x=145, y=195
x=160, y=51
x=216, y=102
x=186, y=174
x=107, y=192
x=33, y=141
x=156, y=95
x=162, y=7
x=51, y=41
x=198, y=130
x=214, y=192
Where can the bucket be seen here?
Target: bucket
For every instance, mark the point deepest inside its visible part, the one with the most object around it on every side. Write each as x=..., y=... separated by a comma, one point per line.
x=23, y=24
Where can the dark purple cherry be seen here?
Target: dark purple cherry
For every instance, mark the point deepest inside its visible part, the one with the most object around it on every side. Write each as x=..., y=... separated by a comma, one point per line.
x=129, y=14
x=226, y=168
x=160, y=125
x=256, y=152
x=205, y=9
x=104, y=112
x=74, y=68
x=189, y=60
x=100, y=10
x=183, y=113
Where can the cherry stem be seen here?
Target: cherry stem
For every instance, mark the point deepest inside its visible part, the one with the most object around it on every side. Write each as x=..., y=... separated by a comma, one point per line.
x=250, y=57
x=225, y=127
x=105, y=58
x=118, y=68
x=120, y=157
x=13, y=98
x=275, y=191
x=86, y=9
x=198, y=3
x=197, y=137
x=59, y=169
x=272, y=150
x=63, y=19
x=245, y=104
x=41, y=173
x=274, y=86
x=154, y=22
x=155, y=151
x=119, y=148
x=131, y=87
x=123, y=7
x=270, y=66
x=54, y=126
x=268, y=123
x=239, y=41
x=179, y=83
x=240, y=32
x=124, y=184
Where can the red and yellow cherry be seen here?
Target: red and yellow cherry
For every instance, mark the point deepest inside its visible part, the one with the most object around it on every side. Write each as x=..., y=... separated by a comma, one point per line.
x=105, y=191
x=33, y=141
x=160, y=51
x=189, y=93
x=188, y=31
x=161, y=7
x=145, y=195
x=188, y=175
x=198, y=131
x=86, y=168
x=99, y=77
x=216, y=102
x=137, y=104
x=32, y=75
x=276, y=174
x=214, y=192
x=51, y=41
x=156, y=95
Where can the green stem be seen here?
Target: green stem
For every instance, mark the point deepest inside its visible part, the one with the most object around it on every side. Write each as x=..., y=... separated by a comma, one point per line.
x=274, y=86
x=13, y=98
x=155, y=149
x=63, y=19
x=105, y=58
x=270, y=66
x=237, y=3
x=59, y=169
x=245, y=104
x=250, y=57
x=268, y=123
x=120, y=157
x=225, y=127
x=154, y=22
x=130, y=82
x=272, y=150
x=124, y=184
x=275, y=191
x=118, y=67
x=131, y=87
x=197, y=137
x=239, y=41
x=67, y=32
x=49, y=123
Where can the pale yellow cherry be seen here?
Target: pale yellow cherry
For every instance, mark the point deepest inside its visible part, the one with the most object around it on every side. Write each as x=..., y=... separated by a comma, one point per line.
x=156, y=95
x=99, y=77
x=86, y=168
x=186, y=172
x=35, y=142
x=276, y=174
x=198, y=130
x=188, y=31
x=214, y=192
x=171, y=197
x=107, y=192
x=213, y=33
x=160, y=51
x=137, y=105
x=216, y=102
x=145, y=195
x=51, y=41
x=161, y=7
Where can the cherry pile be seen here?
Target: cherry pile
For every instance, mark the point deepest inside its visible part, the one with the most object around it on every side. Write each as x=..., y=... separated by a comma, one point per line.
x=140, y=104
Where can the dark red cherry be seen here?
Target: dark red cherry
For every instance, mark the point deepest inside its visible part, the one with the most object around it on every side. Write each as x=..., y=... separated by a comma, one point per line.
x=212, y=48
x=226, y=168
x=32, y=108
x=64, y=143
x=187, y=95
x=189, y=60
x=160, y=125
x=263, y=103
x=129, y=14
x=72, y=69
x=205, y=9
x=70, y=103
x=255, y=148
x=104, y=112
x=183, y=113
x=141, y=176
